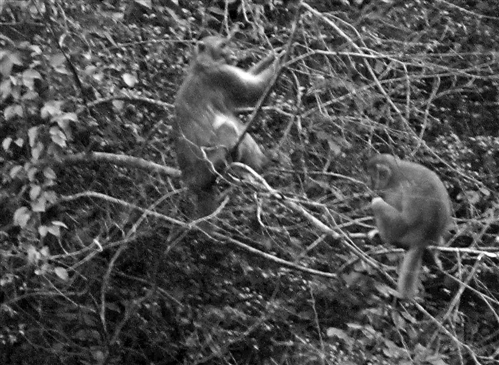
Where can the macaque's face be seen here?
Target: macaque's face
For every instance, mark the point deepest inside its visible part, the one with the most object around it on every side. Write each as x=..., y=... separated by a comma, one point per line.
x=378, y=175
x=218, y=48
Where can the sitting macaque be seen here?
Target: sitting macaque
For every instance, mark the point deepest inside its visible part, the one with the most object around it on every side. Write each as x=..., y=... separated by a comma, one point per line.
x=413, y=211
x=206, y=126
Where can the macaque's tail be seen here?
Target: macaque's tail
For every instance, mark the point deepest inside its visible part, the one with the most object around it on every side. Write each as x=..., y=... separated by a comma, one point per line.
x=409, y=273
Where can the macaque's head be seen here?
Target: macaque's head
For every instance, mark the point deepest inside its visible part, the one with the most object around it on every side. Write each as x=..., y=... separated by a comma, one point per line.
x=217, y=48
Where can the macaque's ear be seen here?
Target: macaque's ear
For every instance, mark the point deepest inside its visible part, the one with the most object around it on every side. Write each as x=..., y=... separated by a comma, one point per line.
x=201, y=46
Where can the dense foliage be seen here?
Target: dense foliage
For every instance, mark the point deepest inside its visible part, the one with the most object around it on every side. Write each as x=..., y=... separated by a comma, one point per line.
x=99, y=262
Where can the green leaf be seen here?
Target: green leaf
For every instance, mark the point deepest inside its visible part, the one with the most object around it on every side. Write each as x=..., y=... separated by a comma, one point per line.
x=5, y=88
x=57, y=60
x=29, y=77
x=57, y=136
x=146, y=3
x=19, y=142
x=118, y=104
x=32, y=134
x=49, y=173
x=14, y=171
x=129, y=79
x=51, y=196
x=22, y=216
x=61, y=273
x=55, y=231
x=40, y=205
x=35, y=191
x=42, y=231
x=60, y=224
x=32, y=254
x=6, y=143
x=51, y=108
x=36, y=151
x=13, y=111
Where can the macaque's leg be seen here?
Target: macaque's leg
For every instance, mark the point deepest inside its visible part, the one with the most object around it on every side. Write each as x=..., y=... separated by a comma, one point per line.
x=250, y=153
x=207, y=201
x=390, y=222
x=409, y=273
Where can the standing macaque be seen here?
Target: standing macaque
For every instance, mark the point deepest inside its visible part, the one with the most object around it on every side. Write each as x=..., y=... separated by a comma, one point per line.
x=413, y=211
x=206, y=126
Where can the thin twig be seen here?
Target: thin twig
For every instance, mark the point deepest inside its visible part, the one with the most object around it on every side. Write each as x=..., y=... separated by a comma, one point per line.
x=268, y=89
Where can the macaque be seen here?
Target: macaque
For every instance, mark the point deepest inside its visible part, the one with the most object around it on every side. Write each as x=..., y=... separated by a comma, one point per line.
x=206, y=126
x=412, y=211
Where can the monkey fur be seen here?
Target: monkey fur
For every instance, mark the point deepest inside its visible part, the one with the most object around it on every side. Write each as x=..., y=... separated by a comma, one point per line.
x=412, y=211
x=206, y=126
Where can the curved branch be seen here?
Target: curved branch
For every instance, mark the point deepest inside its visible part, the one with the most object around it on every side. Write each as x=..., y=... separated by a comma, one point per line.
x=218, y=237
x=130, y=98
x=270, y=86
x=115, y=159
x=269, y=257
